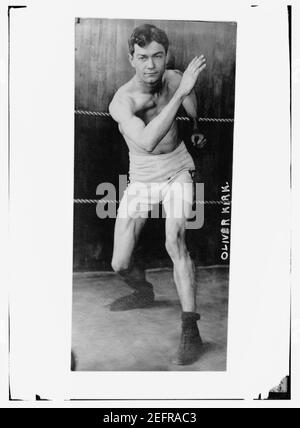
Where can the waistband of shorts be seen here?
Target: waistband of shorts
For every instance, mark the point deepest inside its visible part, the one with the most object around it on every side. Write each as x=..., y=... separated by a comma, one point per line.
x=160, y=168
x=162, y=156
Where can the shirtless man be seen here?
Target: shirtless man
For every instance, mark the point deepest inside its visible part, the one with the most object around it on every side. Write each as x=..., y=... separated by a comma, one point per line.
x=145, y=109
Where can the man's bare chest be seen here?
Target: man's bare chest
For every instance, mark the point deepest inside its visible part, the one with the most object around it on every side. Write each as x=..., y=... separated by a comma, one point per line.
x=147, y=106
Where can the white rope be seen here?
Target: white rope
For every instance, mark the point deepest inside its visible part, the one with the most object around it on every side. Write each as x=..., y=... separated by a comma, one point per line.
x=93, y=201
x=109, y=201
x=92, y=113
x=183, y=118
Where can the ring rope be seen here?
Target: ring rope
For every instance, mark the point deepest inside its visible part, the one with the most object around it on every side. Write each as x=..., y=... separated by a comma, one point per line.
x=109, y=201
x=184, y=118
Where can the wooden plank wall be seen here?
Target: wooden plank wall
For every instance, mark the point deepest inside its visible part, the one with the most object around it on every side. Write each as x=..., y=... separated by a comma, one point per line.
x=102, y=64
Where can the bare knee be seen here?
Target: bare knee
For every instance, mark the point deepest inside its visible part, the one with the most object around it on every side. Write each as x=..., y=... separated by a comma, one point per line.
x=120, y=266
x=175, y=244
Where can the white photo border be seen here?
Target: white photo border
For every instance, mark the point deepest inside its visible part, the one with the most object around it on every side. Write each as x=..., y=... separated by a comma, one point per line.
x=41, y=210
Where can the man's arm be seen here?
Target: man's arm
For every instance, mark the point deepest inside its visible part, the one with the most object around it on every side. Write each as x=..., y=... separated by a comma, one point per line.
x=190, y=101
x=148, y=136
x=190, y=106
x=144, y=136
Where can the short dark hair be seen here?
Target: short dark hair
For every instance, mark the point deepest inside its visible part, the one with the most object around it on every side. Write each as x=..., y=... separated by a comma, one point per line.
x=145, y=34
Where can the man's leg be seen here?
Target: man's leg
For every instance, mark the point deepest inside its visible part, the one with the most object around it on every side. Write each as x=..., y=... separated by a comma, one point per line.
x=178, y=206
x=184, y=275
x=127, y=231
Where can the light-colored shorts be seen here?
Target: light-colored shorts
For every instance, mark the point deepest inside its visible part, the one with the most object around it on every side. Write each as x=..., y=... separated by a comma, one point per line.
x=162, y=178
x=160, y=168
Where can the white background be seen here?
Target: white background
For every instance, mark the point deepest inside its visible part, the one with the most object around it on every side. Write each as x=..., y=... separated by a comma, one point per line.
x=39, y=260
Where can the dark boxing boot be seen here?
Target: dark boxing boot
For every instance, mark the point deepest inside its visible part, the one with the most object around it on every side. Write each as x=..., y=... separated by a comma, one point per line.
x=143, y=296
x=190, y=346
x=139, y=299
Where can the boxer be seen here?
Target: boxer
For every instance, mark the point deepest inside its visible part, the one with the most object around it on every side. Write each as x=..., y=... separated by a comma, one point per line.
x=145, y=109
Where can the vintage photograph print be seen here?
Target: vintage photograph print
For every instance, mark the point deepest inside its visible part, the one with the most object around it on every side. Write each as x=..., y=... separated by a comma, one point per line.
x=154, y=123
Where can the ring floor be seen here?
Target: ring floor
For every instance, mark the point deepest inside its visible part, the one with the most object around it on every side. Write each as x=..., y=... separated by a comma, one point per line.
x=146, y=339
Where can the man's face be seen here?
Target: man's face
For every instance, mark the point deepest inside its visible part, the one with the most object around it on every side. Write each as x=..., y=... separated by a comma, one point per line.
x=149, y=62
